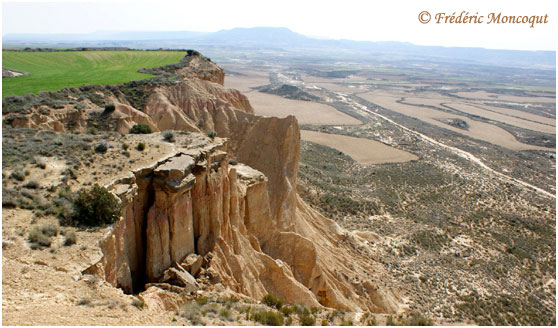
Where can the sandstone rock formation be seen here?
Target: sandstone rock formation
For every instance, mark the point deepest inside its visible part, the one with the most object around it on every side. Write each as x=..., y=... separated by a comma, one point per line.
x=256, y=236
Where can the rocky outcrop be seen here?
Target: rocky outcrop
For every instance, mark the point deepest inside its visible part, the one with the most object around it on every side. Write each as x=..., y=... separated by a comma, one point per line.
x=200, y=205
x=245, y=221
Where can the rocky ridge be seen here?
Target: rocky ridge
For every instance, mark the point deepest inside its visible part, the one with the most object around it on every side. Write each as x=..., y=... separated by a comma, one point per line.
x=255, y=234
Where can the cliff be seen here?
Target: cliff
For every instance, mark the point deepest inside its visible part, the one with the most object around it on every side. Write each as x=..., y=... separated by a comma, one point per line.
x=255, y=235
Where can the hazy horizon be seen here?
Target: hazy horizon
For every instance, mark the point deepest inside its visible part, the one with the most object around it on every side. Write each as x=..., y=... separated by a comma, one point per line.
x=355, y=20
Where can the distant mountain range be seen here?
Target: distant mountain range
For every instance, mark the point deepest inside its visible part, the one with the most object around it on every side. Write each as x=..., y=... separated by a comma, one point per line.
x=285, y=39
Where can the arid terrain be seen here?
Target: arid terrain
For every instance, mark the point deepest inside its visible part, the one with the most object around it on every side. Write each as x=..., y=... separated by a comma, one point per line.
x=456, y=225
x=265, y=190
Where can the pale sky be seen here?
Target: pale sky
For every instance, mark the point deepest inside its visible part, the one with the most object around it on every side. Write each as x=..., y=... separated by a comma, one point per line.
x=386, y=20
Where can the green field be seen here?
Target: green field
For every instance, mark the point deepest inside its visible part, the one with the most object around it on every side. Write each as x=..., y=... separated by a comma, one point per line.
x=50, y=71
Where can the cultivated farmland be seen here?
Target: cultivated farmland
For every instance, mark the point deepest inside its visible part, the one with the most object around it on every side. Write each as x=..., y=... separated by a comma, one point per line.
x=364, y=151
x=50, y=71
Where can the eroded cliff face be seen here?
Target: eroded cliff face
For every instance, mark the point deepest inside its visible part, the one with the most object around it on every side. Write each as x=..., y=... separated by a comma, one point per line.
x=255, y=234
x=194, y=202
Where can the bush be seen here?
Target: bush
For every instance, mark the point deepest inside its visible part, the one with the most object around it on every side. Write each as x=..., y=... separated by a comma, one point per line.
x=70, y=238
x=140, y=146
x=125, y=146
x=37, y=237
x=202, y=300
x=225, y=313
x=49, y=230
x=307, y=320
x=212, y=134
x=101, y=147
x=168, y=136
x=109, y=109
x=95, y=207
x=31, y=185
x=140, y=304
x=268, y=318
x=18, y=176
x=140, y=129
x=417, y=319
x=273, y=301
x=191, y=311
x=287, y=310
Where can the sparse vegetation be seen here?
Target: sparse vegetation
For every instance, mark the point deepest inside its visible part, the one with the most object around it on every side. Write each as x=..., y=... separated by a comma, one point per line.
x=33, y=184
x=70, y=237
x=38, y=238
x=268, y=318
x=138, y=303
x=273, y=301
x=109, y=108
x=95, y=206
x=84, y=301
x=307, y=320
x=19, y=176
x=168, y=136
x=202, y=300
x=212, y=134
x=140, y=128
x=140, y=146
x=101, y=147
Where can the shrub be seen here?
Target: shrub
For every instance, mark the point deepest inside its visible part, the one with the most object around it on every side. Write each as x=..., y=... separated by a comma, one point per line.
x=96, y=206
x=140, y=128
x=31, y=185
x=287, y=310
x=212, y=134
x=268, y=318
x=140, y=304
x=202, y=300
x=125, y=146
x=41, y=165
x=417, y=319
x=84, y=301
x=273, y=301
x=18, y=176
x=37, y=237
x=101, y=147
x=49, y=230
x=307, y=320
x=70, y=238
x=225, y=313
x=168, y=136
x=109, y=109
x=140, y=146
x=228, y=301
x=191, y=311
x=372, y=321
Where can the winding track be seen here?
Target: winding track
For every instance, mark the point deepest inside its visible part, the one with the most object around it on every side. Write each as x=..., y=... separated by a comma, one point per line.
x=457, y=151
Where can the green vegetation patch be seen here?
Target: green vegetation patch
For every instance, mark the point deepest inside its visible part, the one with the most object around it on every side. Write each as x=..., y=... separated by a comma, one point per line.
x=50, y=71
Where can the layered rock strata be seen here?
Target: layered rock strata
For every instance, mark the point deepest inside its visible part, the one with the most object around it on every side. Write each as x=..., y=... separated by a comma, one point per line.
x=255, y=234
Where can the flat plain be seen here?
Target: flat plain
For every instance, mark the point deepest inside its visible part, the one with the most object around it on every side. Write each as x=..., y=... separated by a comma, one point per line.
x=477, y=130
x=266, y=104
x=363, y=151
